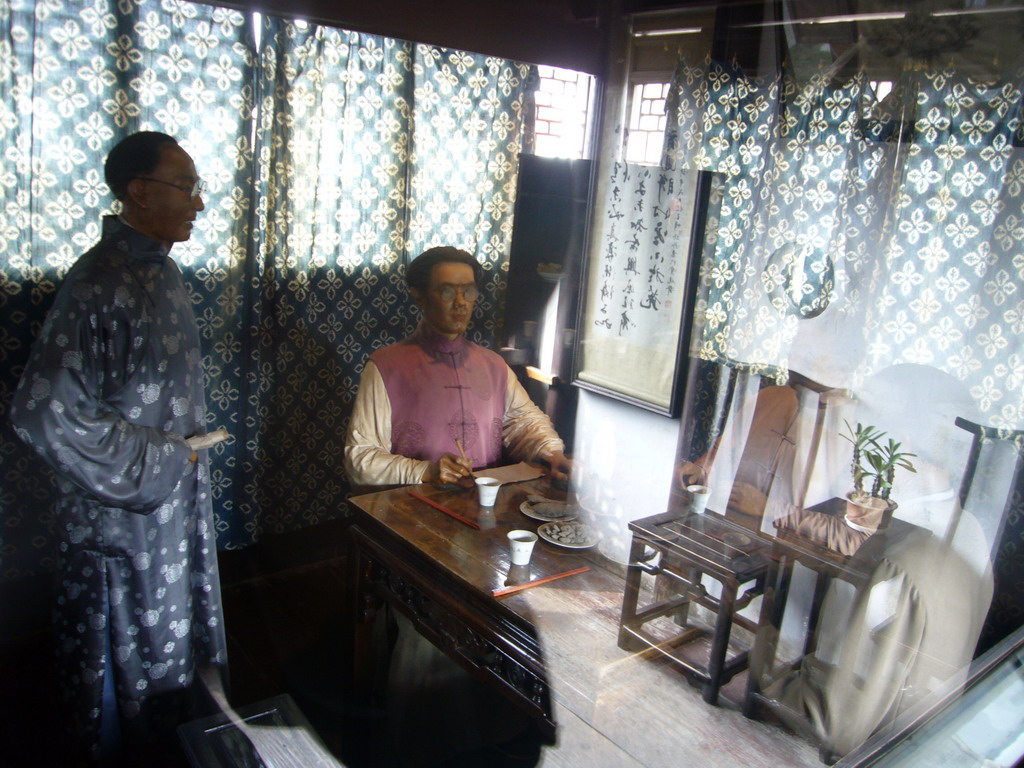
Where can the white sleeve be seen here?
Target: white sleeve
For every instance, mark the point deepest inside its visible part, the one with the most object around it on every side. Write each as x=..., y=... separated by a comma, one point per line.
x=368, y=457
x=527, y=433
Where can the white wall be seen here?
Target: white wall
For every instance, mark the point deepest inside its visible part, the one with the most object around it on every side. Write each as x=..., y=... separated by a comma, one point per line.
x=623, y=466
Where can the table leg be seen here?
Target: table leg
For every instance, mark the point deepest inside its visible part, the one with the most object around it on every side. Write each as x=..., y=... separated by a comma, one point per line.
x=762, y=654
x=821, y=584
x=631, y=595
x=720, y=643
x=360, y=611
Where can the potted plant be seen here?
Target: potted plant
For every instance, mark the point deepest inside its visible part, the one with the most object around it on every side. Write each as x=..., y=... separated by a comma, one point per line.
x=873, y=468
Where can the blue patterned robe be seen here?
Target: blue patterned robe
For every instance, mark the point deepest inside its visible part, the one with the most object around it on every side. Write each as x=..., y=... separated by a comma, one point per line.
x=112, y=389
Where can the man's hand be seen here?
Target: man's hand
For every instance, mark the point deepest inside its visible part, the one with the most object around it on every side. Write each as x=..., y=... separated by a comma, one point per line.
x=560, y=465
x=448, y=469
x=746, y=499
x=690, y=473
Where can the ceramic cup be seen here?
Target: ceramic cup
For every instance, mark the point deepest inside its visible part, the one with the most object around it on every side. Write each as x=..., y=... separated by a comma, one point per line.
x=521, y=543
x=698, y=498
x=487, y=490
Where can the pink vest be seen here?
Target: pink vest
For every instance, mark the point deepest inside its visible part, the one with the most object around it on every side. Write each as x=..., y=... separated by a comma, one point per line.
x=442, y=391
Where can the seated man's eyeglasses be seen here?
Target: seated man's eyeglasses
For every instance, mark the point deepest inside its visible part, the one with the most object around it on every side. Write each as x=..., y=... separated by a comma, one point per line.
x=469, y=292
x=197, y=189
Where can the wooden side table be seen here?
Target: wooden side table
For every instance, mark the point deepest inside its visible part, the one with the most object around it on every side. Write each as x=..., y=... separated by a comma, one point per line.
x=679, y=550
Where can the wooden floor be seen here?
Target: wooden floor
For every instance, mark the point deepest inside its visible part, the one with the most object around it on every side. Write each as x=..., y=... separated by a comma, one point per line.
x=283, y=638
x=620, y=709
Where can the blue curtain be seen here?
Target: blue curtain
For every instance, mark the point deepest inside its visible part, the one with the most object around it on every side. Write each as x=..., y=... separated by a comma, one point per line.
x=903, y=224
x=333, y=158
x=865, y=235
x=375, y=149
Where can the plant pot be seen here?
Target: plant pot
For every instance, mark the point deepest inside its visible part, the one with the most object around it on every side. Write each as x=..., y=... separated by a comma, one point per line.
x=868, y=513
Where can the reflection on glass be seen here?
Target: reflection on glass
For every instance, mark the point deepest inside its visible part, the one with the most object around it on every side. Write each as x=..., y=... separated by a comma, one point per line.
x=829, y=531
x=800, y=280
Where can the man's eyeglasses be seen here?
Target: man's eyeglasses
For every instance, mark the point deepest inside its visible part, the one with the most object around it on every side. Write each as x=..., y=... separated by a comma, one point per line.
x=469, y=292
x=197, y=189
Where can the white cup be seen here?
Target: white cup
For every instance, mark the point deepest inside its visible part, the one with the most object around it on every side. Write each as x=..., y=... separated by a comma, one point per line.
x=521, y=543
x=487, y=490
x=698, y=498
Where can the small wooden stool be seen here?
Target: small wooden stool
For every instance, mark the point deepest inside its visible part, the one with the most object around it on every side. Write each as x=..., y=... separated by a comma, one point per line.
x=687, y=547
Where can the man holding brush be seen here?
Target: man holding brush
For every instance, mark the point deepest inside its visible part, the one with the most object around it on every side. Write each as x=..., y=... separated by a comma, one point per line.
x=434, y=407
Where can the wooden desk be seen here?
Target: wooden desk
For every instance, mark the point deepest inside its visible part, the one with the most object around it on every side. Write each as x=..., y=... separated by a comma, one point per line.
x=551, y=649
x=440, y=572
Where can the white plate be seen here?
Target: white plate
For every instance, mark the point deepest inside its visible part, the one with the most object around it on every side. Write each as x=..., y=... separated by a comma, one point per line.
x=527, y=508
x=580, y=535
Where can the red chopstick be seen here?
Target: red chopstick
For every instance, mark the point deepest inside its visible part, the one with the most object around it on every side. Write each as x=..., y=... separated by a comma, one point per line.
x=448, y=512
x=535, y=582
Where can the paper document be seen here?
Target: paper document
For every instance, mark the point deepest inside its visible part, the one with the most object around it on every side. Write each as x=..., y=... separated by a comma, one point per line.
x=199, y=442
x=513, y=473
x=276, y=746
x=288, y=747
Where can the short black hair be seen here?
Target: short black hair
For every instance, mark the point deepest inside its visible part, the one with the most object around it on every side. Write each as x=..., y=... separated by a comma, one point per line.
x=418, y=274
x=133, y=156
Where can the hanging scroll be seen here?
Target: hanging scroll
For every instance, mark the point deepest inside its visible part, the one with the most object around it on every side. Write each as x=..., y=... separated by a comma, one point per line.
x=644, y=253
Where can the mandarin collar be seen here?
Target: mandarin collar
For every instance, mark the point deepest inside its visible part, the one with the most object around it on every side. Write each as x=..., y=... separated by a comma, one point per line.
x=452, y=351
x=133, y=242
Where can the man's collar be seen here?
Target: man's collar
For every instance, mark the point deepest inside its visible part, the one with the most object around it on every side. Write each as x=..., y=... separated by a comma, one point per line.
x=438, y=346
x=139, y=244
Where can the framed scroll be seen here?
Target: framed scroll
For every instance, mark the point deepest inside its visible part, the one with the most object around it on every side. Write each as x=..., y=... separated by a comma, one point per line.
x=639, y=284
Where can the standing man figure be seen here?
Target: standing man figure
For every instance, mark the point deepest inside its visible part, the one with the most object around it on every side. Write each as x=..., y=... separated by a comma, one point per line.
x=112, y=390
x=422, y=398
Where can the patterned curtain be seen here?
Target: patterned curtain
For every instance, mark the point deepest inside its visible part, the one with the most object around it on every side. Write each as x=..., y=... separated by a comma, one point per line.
x=373, y=150
x=332, y=158
x=73, y=81
x=905, y=227
x=867, y=242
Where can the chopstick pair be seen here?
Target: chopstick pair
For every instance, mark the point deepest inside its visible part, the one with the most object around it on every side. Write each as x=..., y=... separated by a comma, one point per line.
x=435, y=505
x=536, y=582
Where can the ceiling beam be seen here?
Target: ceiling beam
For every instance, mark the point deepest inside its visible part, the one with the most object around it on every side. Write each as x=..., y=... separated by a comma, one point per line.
x=559, y=33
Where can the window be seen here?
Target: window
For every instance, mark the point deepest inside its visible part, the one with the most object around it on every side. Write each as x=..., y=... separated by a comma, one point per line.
x=646, y=130
x=563, y=102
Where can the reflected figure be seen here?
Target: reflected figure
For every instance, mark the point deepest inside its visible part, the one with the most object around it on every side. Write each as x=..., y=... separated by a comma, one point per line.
x=765, y=466
x=911, y=624
x=831, y=532
x=911, y=628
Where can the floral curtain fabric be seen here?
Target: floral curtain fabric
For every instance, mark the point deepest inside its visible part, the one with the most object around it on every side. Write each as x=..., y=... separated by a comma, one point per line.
x=373, y=150
x=895, y=234
x=872, y=242
x=332, y=159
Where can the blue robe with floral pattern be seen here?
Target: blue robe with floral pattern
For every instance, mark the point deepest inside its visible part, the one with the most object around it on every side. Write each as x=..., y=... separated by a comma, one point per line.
x=112, y=388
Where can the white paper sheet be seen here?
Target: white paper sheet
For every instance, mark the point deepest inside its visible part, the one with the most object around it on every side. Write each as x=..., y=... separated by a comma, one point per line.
x=513, y=473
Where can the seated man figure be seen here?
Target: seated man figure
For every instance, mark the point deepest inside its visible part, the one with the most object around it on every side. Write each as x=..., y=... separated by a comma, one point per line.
x=427, y=400
x=422, y=404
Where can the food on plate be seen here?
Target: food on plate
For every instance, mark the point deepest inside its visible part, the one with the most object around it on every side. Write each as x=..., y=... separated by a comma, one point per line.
x=568, y=534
